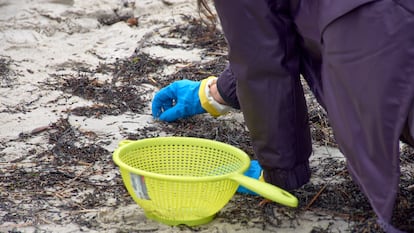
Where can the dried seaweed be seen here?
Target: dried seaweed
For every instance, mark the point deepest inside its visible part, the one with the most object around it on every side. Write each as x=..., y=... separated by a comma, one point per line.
x=195, y=34
x=227, y=131
x=6, y=73
x=62, y=173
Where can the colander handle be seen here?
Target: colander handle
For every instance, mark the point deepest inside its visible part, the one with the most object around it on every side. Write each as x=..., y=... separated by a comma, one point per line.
x=124, y=142
x=266, y=190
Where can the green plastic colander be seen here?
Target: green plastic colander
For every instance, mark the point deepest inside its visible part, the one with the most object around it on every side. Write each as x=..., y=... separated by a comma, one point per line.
x=185, y=180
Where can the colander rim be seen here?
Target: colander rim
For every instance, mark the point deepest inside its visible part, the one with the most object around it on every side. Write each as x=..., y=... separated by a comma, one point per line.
x=125, y=144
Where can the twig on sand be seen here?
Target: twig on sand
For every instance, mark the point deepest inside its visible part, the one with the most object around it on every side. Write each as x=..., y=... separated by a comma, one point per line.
x=86, y=211
x=82, y=172
x=316, y=196
x=40, y=129
x=144, y=39
x=320, y=191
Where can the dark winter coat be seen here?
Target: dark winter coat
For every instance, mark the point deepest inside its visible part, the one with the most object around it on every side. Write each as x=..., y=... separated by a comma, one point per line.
x=358, y=58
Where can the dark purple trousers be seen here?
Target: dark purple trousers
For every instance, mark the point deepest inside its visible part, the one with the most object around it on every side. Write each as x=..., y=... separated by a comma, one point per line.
x=358, y=58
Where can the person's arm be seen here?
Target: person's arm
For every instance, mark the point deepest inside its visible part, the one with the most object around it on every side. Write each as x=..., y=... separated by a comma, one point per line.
x=186, y=98
x=265, y=64
x=226, y=87
x=216, y=94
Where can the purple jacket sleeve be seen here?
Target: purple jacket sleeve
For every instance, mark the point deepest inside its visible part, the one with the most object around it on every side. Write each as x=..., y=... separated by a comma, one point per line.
x=226, y=86
x=264, y=64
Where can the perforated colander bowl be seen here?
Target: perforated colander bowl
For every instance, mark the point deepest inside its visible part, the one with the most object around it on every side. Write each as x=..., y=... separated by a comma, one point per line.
x=184, y=180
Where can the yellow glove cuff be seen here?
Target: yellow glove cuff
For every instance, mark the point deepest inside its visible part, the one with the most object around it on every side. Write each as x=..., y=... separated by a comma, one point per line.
x=208, y=102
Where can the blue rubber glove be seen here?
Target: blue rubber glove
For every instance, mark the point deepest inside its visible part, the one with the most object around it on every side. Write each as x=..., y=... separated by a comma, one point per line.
x=178, y=100
x=254, y=171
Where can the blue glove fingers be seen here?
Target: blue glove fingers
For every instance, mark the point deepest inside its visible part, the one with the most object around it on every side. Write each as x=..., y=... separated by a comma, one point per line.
x=178, y=100
x=173, y=114
x=254, y=171
x=163, y=101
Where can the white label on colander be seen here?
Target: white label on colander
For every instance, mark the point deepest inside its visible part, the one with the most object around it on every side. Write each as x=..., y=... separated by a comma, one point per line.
x=139, y=186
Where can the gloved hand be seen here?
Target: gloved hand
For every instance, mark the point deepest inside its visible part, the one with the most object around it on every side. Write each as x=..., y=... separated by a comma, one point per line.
x=254, y=171
x=186, y=98
x=178, y=100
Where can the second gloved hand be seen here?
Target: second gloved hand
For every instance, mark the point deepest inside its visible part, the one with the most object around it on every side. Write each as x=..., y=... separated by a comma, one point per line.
x=254, y=171
x=178, y=100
